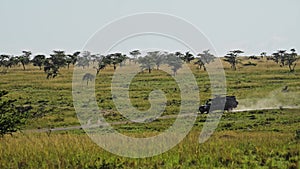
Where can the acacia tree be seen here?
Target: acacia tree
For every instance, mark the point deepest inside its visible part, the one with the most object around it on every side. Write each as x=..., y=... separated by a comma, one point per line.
x=158, y=57
x=38, y=60
x=263, y=54
x=282, y=56
x=54, y=63
x=102, y=61
x=8, y=61
x=147, y=62
x=178, y=54
x=58, y=58
x=204, y=58
x=232, y=58
x=275, y=57
x=116, y=58
x=84, y=59
x=72, y=59
x=25, y=58
x=13, y=61
x=12, y=117
x=291, y=59
x=122, y=59
x=135, y=55
x=3, y=58
x=187, y=57
x=285, y=58
x=174, y=62
x=50, y=69
x=4, y=61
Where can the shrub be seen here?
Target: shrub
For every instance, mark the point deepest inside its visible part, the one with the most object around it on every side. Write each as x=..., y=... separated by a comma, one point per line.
x=12, y=117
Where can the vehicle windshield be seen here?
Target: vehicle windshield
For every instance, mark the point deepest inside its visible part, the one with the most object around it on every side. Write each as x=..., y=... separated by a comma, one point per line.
x=208, y=102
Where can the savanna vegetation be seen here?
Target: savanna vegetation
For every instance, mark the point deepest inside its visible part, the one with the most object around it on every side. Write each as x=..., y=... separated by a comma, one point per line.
x=36, y=97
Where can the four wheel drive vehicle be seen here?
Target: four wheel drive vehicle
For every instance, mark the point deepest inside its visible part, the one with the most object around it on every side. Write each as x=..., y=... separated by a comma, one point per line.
x=218, y=103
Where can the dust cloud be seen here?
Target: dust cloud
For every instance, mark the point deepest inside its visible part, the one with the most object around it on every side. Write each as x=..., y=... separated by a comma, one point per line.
x=278, y=99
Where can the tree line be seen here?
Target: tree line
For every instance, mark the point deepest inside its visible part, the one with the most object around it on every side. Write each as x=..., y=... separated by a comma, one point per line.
x=281, y=57
x=59, y=59
x=153, y=59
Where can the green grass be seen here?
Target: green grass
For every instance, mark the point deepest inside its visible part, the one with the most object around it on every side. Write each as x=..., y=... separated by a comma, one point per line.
x=225, y=149
x=251, y=139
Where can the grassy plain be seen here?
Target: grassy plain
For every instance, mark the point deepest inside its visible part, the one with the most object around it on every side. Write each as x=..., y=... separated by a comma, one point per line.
x=250, y=139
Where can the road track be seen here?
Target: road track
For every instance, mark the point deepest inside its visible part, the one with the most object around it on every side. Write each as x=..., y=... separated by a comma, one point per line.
x=130, y=122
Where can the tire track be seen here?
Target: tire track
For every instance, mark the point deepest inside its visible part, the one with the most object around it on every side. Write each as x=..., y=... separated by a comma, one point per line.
x=161, y=118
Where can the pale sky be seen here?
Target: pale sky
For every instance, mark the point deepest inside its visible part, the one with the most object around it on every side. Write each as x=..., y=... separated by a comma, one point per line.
x=253, y=25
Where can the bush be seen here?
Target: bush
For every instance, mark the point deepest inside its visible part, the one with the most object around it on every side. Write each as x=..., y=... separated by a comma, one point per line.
x=12, y=117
